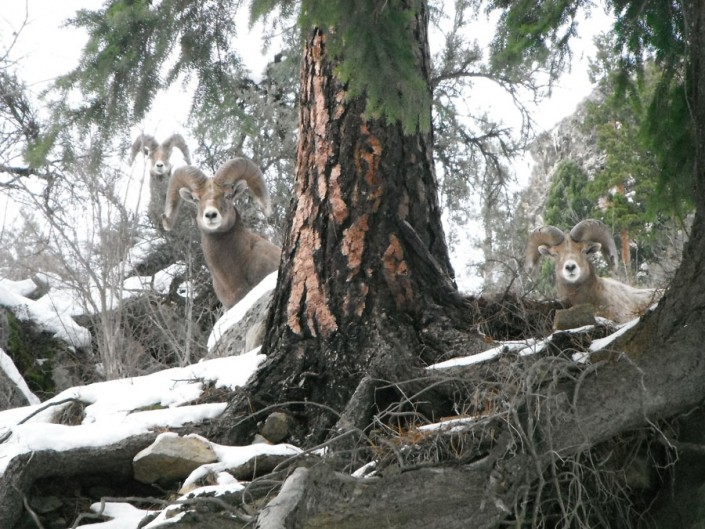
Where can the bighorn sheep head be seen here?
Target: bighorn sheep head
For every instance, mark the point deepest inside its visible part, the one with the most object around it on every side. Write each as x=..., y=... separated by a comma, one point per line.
x=159, y=155
x=215, y=196
x=570, y=251
x=237, y=258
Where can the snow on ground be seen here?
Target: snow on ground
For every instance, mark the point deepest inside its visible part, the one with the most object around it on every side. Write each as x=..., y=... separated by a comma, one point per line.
x=22, y=288
x=118, y=409
x=159, y=282
x=8, y=367
x=167, y=516
x=234, y=456
x=124, y=516
x=521, y=347
x=533, y=346
x=58, y=324
x=228, y=457
x=450, y=425
x=603, y=343
x=67, y=300
x=54, y=311
x=146, y=244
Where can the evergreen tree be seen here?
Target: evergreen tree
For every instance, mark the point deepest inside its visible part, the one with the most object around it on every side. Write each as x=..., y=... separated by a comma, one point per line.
x=567, y=201
x=365, y=259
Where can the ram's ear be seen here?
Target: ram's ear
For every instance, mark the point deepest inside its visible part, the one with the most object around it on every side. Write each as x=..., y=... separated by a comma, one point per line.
x=188, y=195
x=237, y=189
x=545, y=250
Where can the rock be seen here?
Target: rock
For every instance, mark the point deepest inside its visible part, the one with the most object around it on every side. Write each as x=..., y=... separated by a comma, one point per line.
x=258, y=465
x=73, y=367
x=254, y=337
x=568, y=140
x=172, y=458
x=35, y=354
x=260, y=439
x=45, y=504
x=574, y=317
x=11, y=394
x=275, y=427
x=4, y=329
x=246, y=334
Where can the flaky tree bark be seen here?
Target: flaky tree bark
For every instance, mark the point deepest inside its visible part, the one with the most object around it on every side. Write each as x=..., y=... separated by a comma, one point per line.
x=680, y=315
x=365, y=261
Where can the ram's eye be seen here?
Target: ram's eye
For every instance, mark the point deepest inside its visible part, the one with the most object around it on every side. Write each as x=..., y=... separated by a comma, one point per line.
x=592, y=248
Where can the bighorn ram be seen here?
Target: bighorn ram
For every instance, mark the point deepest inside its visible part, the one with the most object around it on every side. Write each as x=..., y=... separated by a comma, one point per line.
x=576, y=279
x=159, y=156
x=237, y=258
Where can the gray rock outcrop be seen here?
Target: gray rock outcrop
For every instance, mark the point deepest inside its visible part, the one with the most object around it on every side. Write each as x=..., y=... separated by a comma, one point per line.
x=568, y=140
x=171, y=458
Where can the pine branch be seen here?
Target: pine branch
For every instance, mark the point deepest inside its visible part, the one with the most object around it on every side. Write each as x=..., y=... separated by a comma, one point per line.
x=25, y=172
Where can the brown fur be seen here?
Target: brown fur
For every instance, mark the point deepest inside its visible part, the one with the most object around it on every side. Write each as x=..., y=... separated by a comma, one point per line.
x=237, y=258
x=160, y=167
x=159, y=154
x=576, y=279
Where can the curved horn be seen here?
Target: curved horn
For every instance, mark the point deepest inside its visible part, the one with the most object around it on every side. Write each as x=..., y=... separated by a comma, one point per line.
x=548, y=235
x=177, y=140
x=596, y=231
x=243, y=169
x=184, y=177
x=144, y=143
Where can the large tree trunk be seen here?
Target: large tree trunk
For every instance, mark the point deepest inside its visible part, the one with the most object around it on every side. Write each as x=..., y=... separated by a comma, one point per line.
x=681, y=313
x=365, y=264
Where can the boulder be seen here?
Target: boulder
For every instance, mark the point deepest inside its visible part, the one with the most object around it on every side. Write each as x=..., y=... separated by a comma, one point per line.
x=171, y=458
x=246, y=334
x=574, y=317
x=275, y=427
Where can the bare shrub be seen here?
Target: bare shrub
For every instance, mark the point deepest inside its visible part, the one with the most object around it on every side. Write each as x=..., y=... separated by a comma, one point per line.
x=86, y=230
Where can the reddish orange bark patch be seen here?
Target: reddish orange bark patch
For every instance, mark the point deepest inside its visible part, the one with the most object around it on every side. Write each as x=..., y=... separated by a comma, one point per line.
x=396, y=273
x=339, y=210
x=308, y=300
x=339, y=104
x=367, y=158
x=353, y=244
x=304, y=212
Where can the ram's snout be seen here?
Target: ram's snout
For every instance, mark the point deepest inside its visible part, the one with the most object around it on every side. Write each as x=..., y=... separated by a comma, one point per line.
x=211, y=218
x=571, y=271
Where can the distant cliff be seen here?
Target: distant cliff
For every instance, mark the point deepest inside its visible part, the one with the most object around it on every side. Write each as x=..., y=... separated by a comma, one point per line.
x=571, y=140
x=568, y=140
